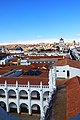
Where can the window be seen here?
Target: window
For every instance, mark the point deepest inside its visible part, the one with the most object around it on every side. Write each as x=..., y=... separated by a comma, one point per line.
x=63, y=70
x=68, y=73
x=57, y=70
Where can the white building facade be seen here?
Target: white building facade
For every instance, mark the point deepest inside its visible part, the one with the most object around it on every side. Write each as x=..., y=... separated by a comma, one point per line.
x=68, y=69
x=28, y=98
x=61, y=44
x=5, y=60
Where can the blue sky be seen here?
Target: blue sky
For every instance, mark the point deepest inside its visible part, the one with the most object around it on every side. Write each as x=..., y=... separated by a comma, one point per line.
x=23, y=21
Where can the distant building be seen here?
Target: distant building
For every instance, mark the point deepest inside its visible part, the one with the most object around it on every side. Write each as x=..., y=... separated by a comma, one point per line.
x=3, y=50
x=16, y=50
x=67, y=68
x=61, y=44
x=5, y=60
x=24, y=62
x=19, y=49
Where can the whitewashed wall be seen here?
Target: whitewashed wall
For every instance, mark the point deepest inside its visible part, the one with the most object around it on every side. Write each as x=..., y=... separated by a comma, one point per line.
x=61, y=69
x=74, y=72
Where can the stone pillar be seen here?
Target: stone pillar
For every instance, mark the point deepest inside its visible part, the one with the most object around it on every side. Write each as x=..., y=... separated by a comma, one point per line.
x=17, y=96
x=41, y=102
x=54, y=78
x=29, y=99
x=50, y=80
x=6, y=94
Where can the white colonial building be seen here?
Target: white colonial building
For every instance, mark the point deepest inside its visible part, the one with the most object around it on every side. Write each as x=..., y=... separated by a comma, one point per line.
x=61, y=44
x=5, y=60
x=67, y=68
x=15, y=96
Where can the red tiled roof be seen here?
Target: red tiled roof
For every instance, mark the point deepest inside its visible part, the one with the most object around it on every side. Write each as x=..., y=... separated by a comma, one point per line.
x=24, y=80
x=23, y=67
x=3, y=71
x=41, y=65
x=43, y=57
x=70, y=62
x=15, y=59
x=60, y=82
x=72, y=97
x=10, y=67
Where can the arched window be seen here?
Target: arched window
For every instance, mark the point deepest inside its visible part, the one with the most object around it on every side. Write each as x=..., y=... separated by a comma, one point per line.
x=3, y=105
x=23, y=94
x=12, y=107
x=23, y=108
x=11, y=94
x=2, y=93
x=35, y=95
x=35, y=109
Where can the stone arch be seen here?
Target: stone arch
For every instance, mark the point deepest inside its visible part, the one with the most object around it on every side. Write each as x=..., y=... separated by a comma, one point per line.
x=23, y=94
x=23, y=108
x=12, y=107
x=45, y=95
x=2, y=93
x=11, y=94
x=35, y=95
x=3, y=105
x=35, y=109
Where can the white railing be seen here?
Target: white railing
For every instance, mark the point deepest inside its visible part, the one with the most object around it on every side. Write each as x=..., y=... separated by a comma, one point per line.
x=2, y=84
x=35, y=86
x=11, y=85
x=22, y=85
x=45, y=86
x=31, y=86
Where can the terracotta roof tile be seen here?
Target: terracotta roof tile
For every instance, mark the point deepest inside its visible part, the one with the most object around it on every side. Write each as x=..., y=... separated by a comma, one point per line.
x=72, y=97
x=60, y=82
x=24, y=80
x=70, y=62
x=23, y=67
x=15, y=59
x=43, y=57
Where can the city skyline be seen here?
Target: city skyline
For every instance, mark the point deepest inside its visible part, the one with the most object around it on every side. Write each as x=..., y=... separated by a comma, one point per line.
x=35, y=21
x=39, y=41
